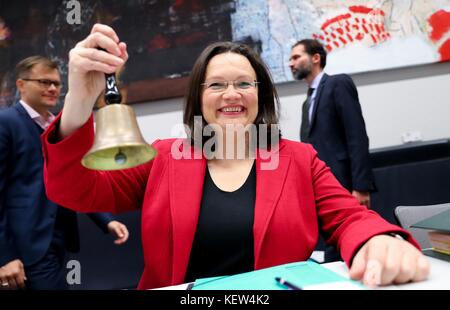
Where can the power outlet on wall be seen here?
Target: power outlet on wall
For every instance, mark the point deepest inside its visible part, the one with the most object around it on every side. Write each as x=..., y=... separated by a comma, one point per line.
x=411, y=136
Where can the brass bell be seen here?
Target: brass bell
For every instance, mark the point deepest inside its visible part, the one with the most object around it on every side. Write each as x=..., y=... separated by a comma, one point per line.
x=118, y=142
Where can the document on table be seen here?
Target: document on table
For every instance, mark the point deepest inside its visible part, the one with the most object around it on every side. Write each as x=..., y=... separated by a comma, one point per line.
x=305, y=275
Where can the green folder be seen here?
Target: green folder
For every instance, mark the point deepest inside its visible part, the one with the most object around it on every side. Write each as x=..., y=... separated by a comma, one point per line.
x=301, y=274
x=440, y=221
x=436, y=254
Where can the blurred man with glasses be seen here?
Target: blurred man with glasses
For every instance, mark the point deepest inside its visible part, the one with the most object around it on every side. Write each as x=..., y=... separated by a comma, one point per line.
x=35, y=233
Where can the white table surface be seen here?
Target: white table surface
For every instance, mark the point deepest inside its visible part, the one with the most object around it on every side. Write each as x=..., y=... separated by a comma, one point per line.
x=439, y=278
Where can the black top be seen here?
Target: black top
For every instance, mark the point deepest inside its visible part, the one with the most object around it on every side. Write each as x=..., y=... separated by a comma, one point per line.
x=223, y=242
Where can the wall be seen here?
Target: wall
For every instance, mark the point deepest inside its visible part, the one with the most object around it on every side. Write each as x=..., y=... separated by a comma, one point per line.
x=394, y=102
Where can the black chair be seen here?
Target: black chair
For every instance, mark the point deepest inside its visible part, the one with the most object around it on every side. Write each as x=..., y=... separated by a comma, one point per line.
x=414, y=174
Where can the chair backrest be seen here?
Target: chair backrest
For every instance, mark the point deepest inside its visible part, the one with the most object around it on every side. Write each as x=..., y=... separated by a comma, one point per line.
x=409, y=215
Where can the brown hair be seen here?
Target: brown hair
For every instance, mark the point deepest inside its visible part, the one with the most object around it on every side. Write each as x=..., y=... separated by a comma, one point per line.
x=313, y=47
x=24, y=67
x=268, y=101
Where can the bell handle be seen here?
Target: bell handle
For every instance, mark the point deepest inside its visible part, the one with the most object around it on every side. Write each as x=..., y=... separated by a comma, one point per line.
x=112, y=93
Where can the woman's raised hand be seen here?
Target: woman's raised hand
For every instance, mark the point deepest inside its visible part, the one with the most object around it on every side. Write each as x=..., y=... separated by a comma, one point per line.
x=86, y=79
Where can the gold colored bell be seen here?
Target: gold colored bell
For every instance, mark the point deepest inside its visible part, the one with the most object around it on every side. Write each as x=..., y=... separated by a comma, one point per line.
x=118, y=142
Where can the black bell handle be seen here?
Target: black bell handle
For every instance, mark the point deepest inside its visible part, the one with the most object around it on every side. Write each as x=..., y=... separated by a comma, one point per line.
x=112, y=93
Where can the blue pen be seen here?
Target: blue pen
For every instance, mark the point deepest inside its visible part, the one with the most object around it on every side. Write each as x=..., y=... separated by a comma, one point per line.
x=287, y=284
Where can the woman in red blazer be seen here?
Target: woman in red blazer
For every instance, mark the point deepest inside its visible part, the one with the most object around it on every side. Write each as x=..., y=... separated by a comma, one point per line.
x=265, y=208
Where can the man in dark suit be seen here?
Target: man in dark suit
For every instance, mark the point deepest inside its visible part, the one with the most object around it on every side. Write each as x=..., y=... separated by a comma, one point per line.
x=332, y=121
x=34, y=232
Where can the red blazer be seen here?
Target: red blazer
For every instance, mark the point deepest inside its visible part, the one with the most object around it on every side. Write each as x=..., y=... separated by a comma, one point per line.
x=291, y=202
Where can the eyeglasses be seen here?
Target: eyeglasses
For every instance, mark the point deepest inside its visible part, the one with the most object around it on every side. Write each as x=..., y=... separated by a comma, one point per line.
x=239, y=85
x=46, y=83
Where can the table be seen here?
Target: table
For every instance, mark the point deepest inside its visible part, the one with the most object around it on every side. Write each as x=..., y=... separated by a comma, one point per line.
x=439, y=278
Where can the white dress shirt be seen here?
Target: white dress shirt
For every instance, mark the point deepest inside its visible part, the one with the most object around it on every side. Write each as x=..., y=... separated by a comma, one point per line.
x=315, y=84
x=36, y=117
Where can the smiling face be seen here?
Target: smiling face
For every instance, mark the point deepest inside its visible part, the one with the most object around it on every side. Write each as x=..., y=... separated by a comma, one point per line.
x=38, y=96
x=238, y=102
